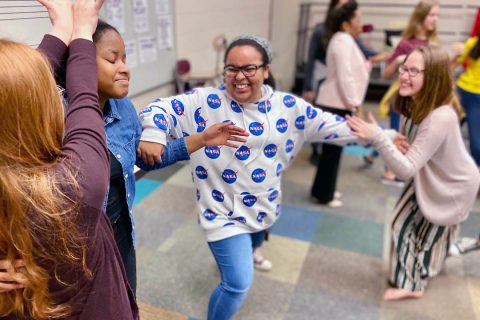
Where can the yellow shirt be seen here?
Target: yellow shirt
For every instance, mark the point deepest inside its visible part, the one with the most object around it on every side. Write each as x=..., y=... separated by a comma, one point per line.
x=470, y=79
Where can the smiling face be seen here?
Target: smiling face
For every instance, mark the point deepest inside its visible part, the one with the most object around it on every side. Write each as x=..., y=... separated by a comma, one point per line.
x=245, y=89
x=430, y=22
x=113, y=73
x=411, y=86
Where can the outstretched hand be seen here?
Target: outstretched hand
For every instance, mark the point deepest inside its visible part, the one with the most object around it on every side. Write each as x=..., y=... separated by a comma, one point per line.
x=85, y=18
x=10, y=278
x=60, y=13
x=362, y=129
x=150, y=152
x=223, y=134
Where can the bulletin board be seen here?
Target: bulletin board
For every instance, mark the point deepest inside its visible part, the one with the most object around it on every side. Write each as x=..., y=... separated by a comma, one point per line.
x=147, y=27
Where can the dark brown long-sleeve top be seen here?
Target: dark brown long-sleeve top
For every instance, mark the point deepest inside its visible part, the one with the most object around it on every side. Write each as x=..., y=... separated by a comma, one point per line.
x=107, y=295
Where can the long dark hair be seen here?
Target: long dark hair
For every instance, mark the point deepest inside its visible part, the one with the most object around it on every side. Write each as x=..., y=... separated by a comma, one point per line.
x=336, y=15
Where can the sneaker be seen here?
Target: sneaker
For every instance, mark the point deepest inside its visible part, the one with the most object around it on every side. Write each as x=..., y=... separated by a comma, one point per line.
x=335, y=203
x=463, y=245
x=369, y=160
x=260, y=262
x=393, y=182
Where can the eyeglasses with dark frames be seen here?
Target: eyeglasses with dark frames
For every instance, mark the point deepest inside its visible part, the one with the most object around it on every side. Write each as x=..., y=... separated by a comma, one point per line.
x=248, y=71
x=412, y=72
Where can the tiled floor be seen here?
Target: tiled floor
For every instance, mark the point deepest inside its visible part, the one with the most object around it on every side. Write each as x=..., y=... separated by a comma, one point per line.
x=327, y=262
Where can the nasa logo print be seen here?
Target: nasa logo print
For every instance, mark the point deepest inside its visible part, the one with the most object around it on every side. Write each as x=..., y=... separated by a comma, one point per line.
x=332, y=136
x=249, y=200
x=339, y=119
x=279, y=169
x=213, y=152
x=264, y=106
x=289, y=145
x=235, y=107
x=229, y=224
x=300, y=123
x=311, y=112
x=273, y=195
x=278, y=210
x=189, y=92
x=256, y=128
x=214, y=101
x=178, y=107
x=229, y=176
x=218, y=196
x=209, y=215
x=241, y=219
x=146, y=110
x=282, y=125
x=160, y=121
x=174, y=120
x=157, y=100
x=261, y=216
x=242, y=153
x=270, y=150
x=289, y=101
x=199, y=120
x=258, y=175
x=185, y=134
x=321, y=125
x=201, y=172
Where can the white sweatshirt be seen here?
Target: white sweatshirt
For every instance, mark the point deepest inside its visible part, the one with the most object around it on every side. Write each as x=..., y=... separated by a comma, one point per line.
x=238, y=190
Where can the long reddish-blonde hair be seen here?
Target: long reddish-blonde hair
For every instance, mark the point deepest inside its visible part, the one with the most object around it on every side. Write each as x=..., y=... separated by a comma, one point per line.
x=37, y=217
x=415, y=24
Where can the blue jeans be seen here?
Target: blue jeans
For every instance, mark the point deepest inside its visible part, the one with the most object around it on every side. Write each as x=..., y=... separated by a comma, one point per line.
x=235, y=262
x=471, y=104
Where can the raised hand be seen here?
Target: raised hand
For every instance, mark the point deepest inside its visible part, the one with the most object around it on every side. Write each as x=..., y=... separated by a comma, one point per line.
x=150, y=152
x=222, y=134
x=10, y=278
x=362, y=129
x=61, y=16
x=85, y=18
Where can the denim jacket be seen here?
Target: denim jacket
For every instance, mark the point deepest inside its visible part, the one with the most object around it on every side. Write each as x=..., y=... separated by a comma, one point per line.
x=123, y=132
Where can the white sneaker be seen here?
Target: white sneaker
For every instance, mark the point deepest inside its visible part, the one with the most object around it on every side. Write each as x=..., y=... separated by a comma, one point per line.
x=463, y=245
x=260, y=262
x=335, y=203
x=337, y=195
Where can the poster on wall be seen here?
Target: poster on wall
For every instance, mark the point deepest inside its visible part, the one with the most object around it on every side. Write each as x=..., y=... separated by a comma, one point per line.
x=115, y=14
x=162, y=7
x=131, y=53
x=165, y=34
x=140, y=16
x=147, y=49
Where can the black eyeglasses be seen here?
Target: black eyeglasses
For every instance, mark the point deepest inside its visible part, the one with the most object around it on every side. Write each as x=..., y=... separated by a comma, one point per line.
x=412, y=72
x=248, y=71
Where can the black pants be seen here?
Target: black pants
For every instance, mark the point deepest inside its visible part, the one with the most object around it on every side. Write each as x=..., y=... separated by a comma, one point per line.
x=122, y=229
x=325, y=181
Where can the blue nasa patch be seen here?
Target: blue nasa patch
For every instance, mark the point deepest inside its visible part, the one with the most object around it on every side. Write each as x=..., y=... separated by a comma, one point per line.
x=174, y=120
x=282, y=125
x=332, y=136
x=311, y=112
x=256, y=128
x=229, y=224
x=273, y=195
x=258, y=175
x=321, y=125
x=217, y=195
x=300, y=123
x=249, y=200
x=160, y=121
x=289, y=101
x=214, y=101
x=178, y=107
x=230, y=213
x=241, y=219
x=279, y=169
x=270, y=150
x=235, y=107
x=264, y=106
x=229, y=176
x=261, y=216
x=185, y=134
x=209, y=215
x=222, y=87
x=289, y=145
x=242, y=153
x=213, y=152
x=146, y=110
x=201, y=172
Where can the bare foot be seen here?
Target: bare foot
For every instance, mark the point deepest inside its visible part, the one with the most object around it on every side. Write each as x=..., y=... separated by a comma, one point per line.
x=392, y=294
